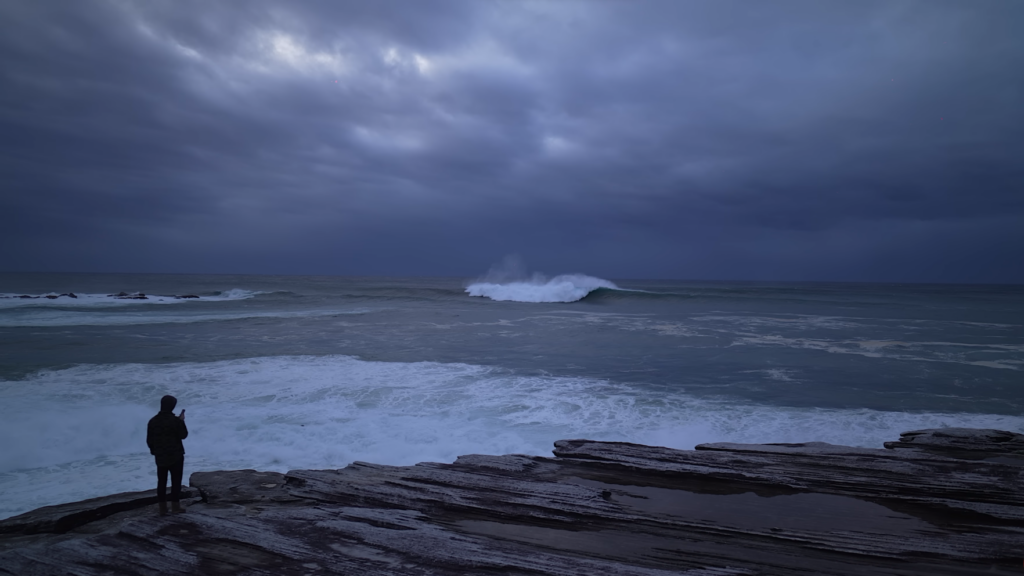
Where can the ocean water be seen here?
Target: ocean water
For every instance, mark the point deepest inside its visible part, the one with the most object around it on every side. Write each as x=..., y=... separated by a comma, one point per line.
x=279, y=373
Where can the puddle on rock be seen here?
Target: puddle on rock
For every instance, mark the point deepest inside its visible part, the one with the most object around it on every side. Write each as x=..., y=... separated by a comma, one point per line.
x=803, y=511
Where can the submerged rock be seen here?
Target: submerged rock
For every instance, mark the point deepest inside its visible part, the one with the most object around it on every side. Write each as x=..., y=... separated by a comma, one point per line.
x=594, y=508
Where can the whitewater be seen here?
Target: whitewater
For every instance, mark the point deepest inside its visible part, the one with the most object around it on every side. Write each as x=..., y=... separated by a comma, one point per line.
x=82, y=300
x=563, y=288
x=280, y=373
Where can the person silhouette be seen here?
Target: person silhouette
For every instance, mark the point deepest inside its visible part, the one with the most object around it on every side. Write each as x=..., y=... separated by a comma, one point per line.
x=163, y=436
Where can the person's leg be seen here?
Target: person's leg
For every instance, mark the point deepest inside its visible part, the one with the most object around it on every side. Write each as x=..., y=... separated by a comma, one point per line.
x=161, y=487
x=176, y=470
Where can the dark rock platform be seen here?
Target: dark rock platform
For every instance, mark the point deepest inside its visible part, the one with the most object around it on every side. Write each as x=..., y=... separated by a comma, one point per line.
x=947, y=501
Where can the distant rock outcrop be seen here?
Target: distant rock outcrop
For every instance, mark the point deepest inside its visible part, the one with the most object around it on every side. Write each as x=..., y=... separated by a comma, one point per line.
x=48, y=296
x=119, y=296
x=595, y=508
x=127, y=296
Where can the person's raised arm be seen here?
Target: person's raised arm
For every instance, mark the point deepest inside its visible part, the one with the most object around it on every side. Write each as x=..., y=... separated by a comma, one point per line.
x=183, y=430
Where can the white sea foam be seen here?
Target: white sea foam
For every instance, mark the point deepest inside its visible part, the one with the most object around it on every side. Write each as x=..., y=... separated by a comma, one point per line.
x=946, y=352
x=9, y=300
x=564, y=288
x=108, y=310
x=80, y=432
x=97, y=317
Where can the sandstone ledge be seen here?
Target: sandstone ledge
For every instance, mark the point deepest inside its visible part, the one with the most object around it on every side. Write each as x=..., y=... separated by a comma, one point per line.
x=939, y=502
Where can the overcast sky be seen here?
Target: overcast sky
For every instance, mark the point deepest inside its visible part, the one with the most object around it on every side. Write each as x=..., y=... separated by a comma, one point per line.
x=762, y=140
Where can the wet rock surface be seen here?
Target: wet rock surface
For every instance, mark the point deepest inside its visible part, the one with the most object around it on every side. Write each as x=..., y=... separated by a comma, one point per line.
x=66, y=517
x=963, y=443
x=594, y=508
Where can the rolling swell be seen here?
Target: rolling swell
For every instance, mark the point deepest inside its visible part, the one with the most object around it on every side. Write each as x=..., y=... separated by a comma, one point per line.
x=620, y=294
x=565, y=289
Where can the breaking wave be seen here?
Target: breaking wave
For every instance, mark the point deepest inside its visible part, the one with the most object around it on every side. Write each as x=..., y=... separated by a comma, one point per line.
x=563, y=288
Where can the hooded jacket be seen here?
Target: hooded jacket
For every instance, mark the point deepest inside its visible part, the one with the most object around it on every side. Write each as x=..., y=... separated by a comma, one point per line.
x=164, y=435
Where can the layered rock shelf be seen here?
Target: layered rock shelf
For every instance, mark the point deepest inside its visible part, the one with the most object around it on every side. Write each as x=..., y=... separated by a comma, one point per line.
x=948, y=501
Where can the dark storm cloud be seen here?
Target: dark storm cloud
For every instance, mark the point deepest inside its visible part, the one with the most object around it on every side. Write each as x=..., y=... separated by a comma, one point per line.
x=783, y=140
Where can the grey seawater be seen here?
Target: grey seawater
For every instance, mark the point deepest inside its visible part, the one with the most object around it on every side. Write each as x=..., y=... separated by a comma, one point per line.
x=885, y=347
x=287, y=372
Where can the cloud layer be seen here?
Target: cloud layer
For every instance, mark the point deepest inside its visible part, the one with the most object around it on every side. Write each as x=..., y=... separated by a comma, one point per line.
x=784, y=140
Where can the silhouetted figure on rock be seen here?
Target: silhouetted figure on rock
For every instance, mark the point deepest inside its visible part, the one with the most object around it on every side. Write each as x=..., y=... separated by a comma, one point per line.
x=164, y=436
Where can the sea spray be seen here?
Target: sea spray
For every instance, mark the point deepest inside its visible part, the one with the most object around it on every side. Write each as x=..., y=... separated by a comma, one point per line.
x=508, y=282
x=563, y=288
